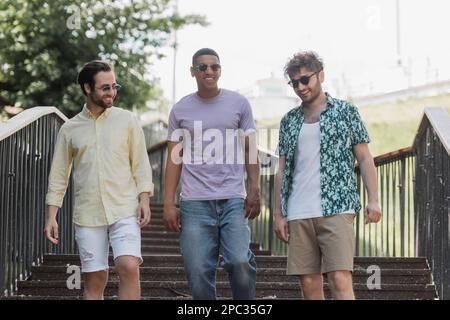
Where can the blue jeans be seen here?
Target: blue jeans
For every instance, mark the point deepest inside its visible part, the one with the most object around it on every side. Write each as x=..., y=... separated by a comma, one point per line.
x=210, y=228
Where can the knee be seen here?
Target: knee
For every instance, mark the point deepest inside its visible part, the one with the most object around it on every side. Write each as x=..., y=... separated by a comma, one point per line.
x=127, y=267
x=312, y=283
x=95, y=282
x=236, y=263
x=340, y=280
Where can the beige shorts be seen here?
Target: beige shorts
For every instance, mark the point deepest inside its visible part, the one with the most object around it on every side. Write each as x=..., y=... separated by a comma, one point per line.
x=321, y=245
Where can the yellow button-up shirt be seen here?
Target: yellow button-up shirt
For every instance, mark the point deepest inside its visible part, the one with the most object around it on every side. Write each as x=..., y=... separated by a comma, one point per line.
x=110, y=166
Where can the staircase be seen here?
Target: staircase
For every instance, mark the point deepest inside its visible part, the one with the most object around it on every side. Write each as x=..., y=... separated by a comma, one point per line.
x=162, y=274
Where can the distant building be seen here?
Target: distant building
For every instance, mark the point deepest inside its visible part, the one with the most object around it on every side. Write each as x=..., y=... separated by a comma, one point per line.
x=426, y=90
x=270, y=98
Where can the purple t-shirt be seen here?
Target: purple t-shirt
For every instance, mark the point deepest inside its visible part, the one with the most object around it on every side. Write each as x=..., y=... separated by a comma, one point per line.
x=212, y=133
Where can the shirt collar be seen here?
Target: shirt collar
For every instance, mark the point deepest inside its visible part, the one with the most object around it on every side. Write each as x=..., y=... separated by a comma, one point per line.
x=330, y=103
x=88, y=114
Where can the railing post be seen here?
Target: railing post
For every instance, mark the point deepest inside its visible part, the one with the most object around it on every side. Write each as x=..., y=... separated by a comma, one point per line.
x=271, y=192
x=402, y=205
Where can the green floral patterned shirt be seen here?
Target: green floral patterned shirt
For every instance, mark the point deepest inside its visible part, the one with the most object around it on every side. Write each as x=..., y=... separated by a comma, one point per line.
x=340, y=128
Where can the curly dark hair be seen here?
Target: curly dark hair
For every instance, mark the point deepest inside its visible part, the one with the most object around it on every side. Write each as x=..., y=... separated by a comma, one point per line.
x=303, y=59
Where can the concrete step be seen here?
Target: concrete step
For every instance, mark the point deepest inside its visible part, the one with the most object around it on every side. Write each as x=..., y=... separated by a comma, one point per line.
x=154, y=260
x=171, y=242
x=263, y=290
x=161, y=240
x=388, y=276
x=156, y=219
x=159, y=234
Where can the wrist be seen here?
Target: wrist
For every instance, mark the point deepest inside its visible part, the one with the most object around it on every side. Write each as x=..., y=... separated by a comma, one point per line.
x=277, y=215
x=144, y=196
x=169, y=204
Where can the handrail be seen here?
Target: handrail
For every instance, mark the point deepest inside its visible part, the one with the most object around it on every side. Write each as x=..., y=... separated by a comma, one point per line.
x=26, y=151
x=439, y=119
x=432, y=195
x=390, y=155
x=26, y=117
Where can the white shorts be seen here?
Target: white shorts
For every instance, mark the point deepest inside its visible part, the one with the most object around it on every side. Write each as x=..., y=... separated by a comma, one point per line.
x=93, y=243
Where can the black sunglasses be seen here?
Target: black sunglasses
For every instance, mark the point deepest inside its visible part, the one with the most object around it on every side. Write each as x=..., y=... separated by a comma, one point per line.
x=203, y=67
x=304, y=80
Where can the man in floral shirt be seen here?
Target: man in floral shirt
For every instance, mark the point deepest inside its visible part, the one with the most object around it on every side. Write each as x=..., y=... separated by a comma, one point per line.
x=315, y=188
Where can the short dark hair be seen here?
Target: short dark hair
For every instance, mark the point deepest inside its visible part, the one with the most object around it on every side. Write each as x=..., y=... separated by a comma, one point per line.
x=303, y=59
x=88, y=72
x=204, y=52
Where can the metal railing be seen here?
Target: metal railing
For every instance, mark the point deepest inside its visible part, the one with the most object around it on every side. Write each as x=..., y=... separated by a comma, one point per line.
x=262, y=226
x=432, y=192
x=394, y=235
x=157, y=155
x=26, y=151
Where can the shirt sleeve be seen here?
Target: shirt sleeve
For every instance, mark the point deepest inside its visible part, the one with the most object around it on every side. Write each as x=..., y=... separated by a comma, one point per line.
x=60, y=170
x=281, y=149
x=359, y=132
x=246, y=123
x=172, y=131
x=140, y=163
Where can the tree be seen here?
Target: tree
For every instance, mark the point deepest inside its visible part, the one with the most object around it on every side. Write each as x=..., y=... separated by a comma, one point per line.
x=44, y=43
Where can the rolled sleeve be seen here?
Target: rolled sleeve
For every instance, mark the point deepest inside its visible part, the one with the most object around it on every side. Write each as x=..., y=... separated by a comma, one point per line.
x=140, y=163
x=60, y=171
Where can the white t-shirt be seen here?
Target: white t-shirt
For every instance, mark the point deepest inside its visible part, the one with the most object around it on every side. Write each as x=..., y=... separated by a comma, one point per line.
x=304, y=201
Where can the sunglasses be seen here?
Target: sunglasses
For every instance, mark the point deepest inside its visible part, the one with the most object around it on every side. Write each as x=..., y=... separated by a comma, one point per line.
x=203, y=67
x=304, y=80
x=106, y=87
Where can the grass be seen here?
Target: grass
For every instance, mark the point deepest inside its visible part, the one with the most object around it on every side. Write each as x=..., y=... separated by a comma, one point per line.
x=391, y=126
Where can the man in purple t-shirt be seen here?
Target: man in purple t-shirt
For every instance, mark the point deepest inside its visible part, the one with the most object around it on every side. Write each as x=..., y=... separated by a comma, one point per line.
x=211, y=139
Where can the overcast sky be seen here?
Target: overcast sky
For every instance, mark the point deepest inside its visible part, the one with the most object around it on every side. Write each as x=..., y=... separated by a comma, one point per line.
x=356, y=38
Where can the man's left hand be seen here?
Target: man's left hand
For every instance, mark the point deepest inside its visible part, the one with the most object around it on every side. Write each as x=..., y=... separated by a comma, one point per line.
x=143, y=212
x=252, y=204
x=372, y=213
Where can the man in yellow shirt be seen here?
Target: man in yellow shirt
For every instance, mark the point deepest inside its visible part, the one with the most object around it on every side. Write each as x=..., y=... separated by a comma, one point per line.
x=112, y=184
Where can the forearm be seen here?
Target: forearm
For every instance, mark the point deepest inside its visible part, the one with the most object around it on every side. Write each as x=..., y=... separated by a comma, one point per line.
x=277, y=187
x=252, y=176
x=276, y=196
x=252, y=162
x=369, y=176
x=52, y=212
x=172, y=178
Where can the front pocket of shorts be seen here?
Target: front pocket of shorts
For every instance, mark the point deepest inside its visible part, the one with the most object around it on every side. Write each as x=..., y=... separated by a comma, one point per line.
x=350, y=218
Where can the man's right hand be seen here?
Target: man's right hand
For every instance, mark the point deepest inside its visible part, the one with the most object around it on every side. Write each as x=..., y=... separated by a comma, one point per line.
x=51, y=231
x=282, y=228
x=171, y=218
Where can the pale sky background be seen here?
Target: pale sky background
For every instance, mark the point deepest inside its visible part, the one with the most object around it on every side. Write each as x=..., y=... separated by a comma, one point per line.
x=356, y=39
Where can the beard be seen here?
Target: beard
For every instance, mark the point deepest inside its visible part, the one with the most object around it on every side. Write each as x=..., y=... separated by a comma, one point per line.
x=312, y=96
x=98, y=100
